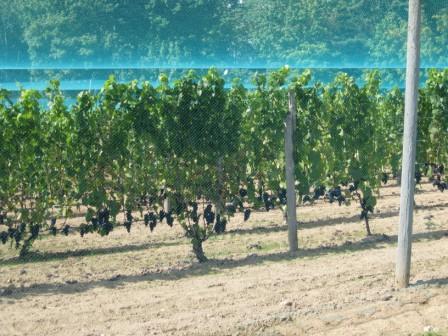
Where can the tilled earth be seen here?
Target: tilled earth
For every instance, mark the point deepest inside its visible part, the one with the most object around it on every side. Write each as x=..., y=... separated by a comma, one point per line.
x=339, y=283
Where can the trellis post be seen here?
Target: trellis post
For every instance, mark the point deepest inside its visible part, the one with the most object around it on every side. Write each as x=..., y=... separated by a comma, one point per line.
x=403, y=265
x=291, y=214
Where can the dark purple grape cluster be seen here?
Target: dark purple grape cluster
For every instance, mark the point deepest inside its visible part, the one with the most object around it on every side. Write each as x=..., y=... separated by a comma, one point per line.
x=243, y=192
x=128, y=221
x=418, y=176
x=319, y=192
x=384, y=178
x=83, y=229
x=247, y=213
x=220, y=225
x=282, y=196
x=335, y=194
x=169, y=218
x=194, y=216
x=66, y=230
x=441, y=185
x=52, y=228
x=104, y=223
x=209, y=215
x=4, y=237
x=269, y=201
x=150, y=219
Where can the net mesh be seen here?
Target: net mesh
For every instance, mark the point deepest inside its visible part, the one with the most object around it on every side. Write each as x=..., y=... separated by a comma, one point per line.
x=82, y=43
x=231, y=33
x=90, y=154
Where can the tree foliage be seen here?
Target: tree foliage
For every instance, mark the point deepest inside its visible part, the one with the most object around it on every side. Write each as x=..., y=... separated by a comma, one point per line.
x=202, y=33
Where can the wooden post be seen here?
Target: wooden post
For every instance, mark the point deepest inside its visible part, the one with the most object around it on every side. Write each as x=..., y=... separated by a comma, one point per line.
x=219, y=186
x=409, y=146
x=291, y=214
x=166, y=205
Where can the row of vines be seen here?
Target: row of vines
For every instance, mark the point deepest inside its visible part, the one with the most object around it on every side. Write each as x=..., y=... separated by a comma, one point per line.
x=196, y=152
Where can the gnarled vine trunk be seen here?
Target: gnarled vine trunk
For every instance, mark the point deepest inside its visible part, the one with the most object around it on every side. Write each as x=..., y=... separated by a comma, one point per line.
x=25, y=249
x=369, y=233
x=198, y=250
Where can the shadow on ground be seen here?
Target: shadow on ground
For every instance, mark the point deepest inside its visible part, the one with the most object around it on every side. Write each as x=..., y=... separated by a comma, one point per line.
x=333, y=221
x=213, y=266
x=37, y=256
x=431, y=282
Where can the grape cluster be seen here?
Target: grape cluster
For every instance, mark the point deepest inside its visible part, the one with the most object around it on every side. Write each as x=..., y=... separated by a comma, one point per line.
x=353, y=187
x=335, y=194
x=442, y=186
x=16, y=234
x=83, y=229
x=282, y=196
x=66, y=229
x=169, y=218
x=4, y=237
x=220, y=225
x=384, y=178
x=319, y=191
x=194, y=212
x=247, y=213
x=231, y=208
x=128, y=221
x=100, y=223
x=269, y=201
x=104, y=223
x=436, y=169
x=150, y=219
x=243, y=192
x=209, y=215
x=418, y=176
x=34, y=230
x=220, y=222
x=53, y=226
x=146, y=200
x=307, y=199
x=162, y=215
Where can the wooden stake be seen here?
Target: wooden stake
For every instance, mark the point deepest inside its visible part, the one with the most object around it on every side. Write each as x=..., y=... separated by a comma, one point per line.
x=166, y=205
x=409, y=146
x=291, y=213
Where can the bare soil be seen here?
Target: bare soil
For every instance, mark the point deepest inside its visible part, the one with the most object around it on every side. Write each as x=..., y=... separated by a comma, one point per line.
x=339, y=283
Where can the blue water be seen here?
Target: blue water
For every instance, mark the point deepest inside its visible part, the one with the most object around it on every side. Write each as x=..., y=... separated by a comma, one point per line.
x=78, y=79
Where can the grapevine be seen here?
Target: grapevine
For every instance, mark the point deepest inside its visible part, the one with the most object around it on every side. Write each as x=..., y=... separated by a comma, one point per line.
x=197, y=153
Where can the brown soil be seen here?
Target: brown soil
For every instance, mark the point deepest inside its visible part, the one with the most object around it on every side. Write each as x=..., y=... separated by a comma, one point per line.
x=339, y=283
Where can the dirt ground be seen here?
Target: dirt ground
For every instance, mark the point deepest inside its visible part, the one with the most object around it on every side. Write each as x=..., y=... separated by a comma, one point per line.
x=339, y=283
